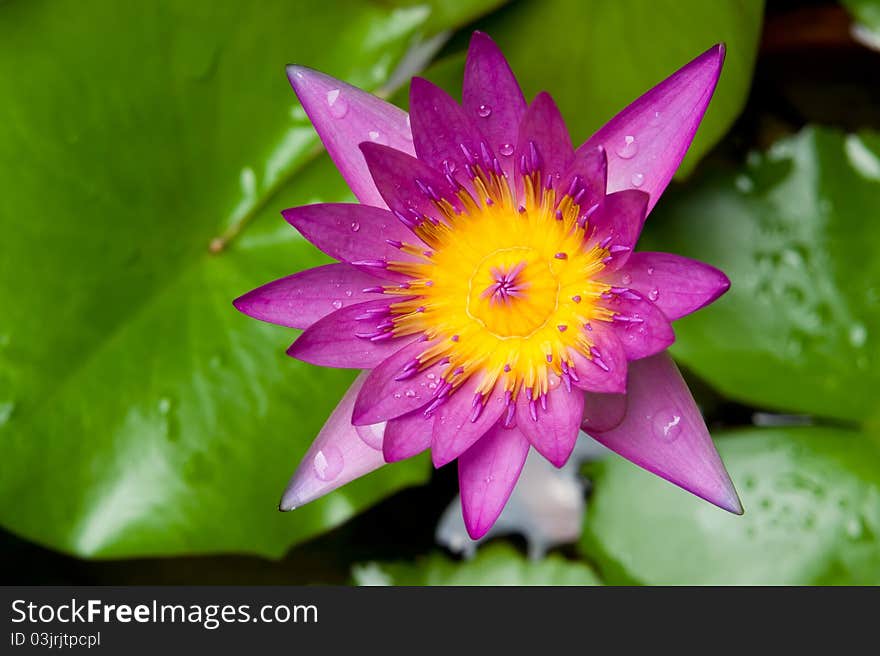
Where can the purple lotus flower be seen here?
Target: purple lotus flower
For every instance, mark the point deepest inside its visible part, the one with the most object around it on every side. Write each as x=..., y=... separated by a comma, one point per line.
x=487, y=284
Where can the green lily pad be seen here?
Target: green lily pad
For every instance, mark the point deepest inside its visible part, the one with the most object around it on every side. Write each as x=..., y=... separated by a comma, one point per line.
x=495, y=564
x=793, y=231
x=867, y=16
x=139, y=412
x=812, y=516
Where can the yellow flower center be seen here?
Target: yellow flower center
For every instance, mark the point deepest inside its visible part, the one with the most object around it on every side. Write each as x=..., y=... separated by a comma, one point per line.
x=506, y=292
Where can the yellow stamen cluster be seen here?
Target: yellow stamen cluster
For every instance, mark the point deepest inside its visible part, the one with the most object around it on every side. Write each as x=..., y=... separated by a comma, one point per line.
x=505, y=292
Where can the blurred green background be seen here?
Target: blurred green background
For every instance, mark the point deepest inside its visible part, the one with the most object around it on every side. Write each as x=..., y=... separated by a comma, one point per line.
x=147, y=429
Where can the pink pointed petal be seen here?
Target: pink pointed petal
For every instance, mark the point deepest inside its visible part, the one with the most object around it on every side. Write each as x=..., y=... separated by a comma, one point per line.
x=344, y=116
x=648, y=139
x=333, y=341
x=336, y=457
x=664, y=432
x=605, y=369
x=353, y=233
x=677, y=285
x=588, y=172
x=492, y=98
x=553, y=432
x=407, y=184
x=617, y=223
x=443, y=134
x=389, y=392
x=407, y=436
x=487, y=473
x=299, y=300
x=544, y=127
x=639, y=325
x=602, y=412
x=454, y=430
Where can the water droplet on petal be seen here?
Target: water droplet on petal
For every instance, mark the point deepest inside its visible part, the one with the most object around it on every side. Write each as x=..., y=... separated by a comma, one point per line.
x=638, y=179
x=376, y=137
x=337, y=104
x=626, y=279
x=667, y=426
x=485, y=111
x=650, y=271
x=337, y=305
x=348, y=293
x=328, y=463
x=372, y=435
x=506, y=149
x=409, y=393
x=628, y=149
x=355, y=226
x=654, y=294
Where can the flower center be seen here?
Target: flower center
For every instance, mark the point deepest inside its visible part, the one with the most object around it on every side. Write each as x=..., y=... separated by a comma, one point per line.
x=512, y=292
x=507, y=291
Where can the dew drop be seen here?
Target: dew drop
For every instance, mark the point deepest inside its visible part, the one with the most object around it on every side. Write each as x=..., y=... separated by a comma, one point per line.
x=6, y=410
x=337, y=304
x=628, y=149
x=554, y=381
x=328, y=463
x=375, y=136
x=506, y=149
x=858, y=335
x=372, y=435
x=626, y=279
x=484, y=111
x=409, y=393
x=355, y=226
x=650, y=271
x=654, y=294
x=638, y=179
x=667, y=426
x=337, y=104
x=348, y=293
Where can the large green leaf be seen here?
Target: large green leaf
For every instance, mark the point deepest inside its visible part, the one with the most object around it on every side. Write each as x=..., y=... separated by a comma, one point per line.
x=812, y=515
x=495, y=564
x=595, y=56
x=796, y=233
x=867, y=15
x=140, y=413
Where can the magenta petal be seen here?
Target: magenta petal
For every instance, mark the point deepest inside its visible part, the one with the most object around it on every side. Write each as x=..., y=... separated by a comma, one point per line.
x=648, y=139
x=675, y=284
x=395, y=388
x=344, y=116
x=664, y=432
x=443, y=134
x=356, y=234
x=334, y=342
x=408, y=185
x=337, y=456
x=454, y=430
x=543, y=129
x=639, y=325
x=605, y=370
x=487, y=473
x=553, y=431
x=299, y=300
x=602, y=412
x=617, y=224
x=587, y=172
x=407, y=436
x=492, y=98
